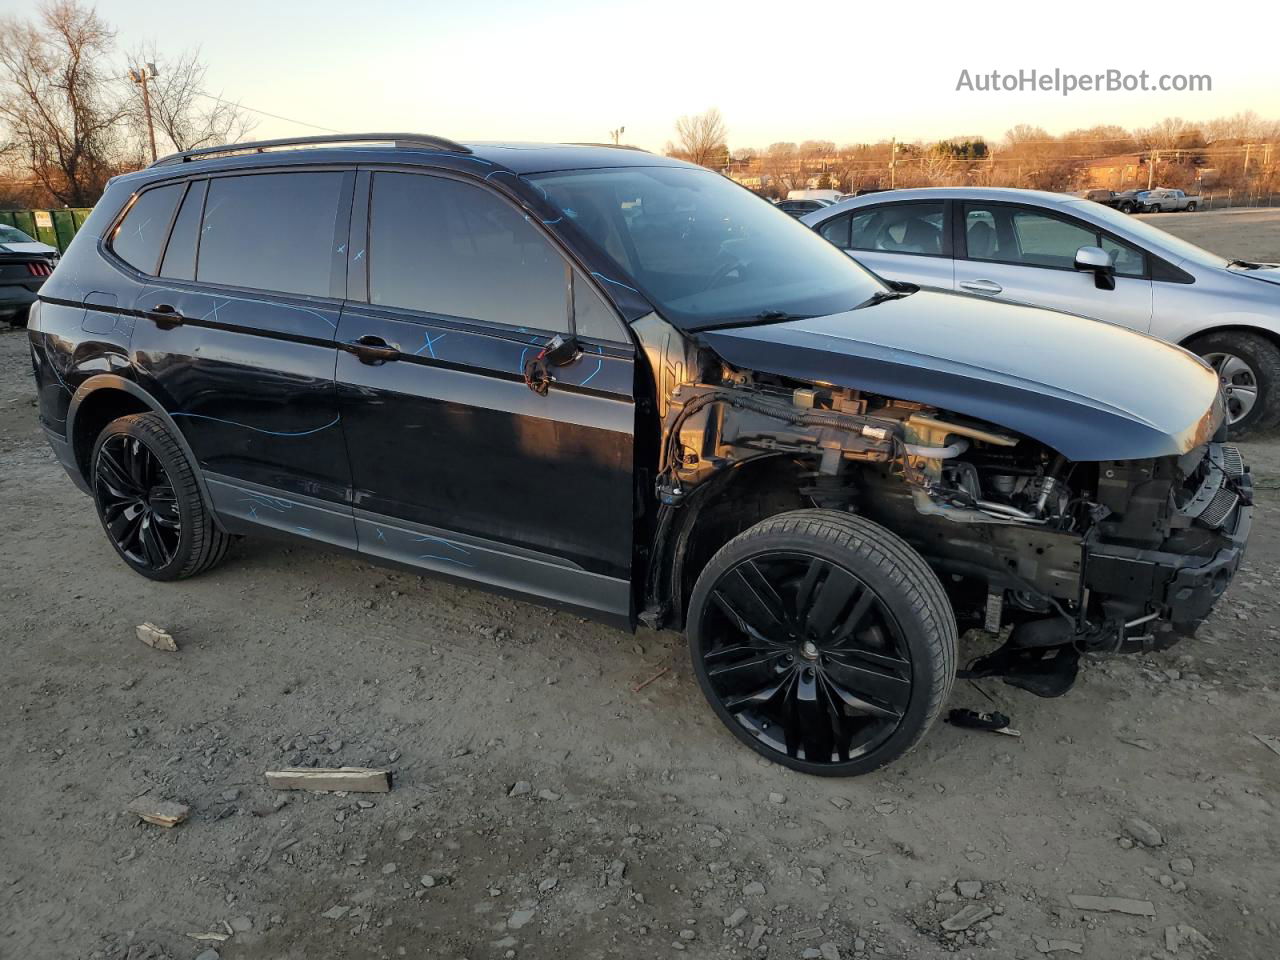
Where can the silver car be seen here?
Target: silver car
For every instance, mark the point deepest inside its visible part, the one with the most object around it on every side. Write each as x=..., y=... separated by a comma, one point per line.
x=1059, y=251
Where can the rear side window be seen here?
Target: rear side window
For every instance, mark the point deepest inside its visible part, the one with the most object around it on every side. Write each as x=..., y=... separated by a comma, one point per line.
x=139, y=239
x=271, y=231
x=180, y=256
x=837, y=230
x=901, y=228
x=451, y=249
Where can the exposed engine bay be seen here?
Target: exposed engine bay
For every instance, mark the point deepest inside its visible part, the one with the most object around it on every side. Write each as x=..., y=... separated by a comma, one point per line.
x=1111, y=556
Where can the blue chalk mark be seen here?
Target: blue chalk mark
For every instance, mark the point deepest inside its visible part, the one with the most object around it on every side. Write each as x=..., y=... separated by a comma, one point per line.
x=358, y=256
x=303, y=529
x=599, y=367
x=253, y=512
x=447, y=543
x=342, y=248
x=381, y=536
x=520, y=368
x=461, y=563
x=271, y=433
x=616, y=283
x=550, y=222
x=430, y=344
x=143, y=224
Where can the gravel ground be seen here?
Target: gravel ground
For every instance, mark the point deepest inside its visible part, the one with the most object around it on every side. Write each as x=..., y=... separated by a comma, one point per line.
x=543, y=808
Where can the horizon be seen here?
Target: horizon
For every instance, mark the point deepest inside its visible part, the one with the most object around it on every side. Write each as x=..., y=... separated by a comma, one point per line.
x=387, y=82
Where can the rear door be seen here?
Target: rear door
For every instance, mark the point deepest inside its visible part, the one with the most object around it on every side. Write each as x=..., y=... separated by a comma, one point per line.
x=457, y=466
x=236, y=331
x=906, y=240
x=1027, y=255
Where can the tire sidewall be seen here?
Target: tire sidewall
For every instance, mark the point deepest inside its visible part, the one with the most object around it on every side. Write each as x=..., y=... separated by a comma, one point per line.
x=891, y=594
x=129, y=427
x=1266, y=410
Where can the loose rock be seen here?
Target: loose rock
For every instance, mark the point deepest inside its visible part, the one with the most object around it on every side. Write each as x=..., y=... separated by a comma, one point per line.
x=966, y=918
x=1143, y=832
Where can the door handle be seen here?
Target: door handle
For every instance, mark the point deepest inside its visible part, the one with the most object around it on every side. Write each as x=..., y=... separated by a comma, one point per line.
x=981, y=286
x=166, y=316
x=373, y=350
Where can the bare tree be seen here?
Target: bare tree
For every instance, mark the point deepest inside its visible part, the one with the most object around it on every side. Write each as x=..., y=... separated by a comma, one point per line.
x=56, y=100
x=703, y=139
x=182, y=111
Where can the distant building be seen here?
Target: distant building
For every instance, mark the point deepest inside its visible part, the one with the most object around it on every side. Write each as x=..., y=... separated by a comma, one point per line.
x=1113, y=173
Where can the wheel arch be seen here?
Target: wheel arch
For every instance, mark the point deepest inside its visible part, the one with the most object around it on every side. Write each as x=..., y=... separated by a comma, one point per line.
x=105, y=397
x=737, y=497
x=1265, y=332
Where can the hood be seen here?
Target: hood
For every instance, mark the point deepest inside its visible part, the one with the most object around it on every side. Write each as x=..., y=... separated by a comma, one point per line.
x=1266, y=272
x=1088, y=389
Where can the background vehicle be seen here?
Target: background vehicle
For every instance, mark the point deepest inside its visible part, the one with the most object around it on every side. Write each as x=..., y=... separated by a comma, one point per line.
x=21, y=277
x=1167, y=201
x=13, y=240
x=798, y=208
x=1024, y=246
x=1126, y=201
x=622, y=384
x=831, y=196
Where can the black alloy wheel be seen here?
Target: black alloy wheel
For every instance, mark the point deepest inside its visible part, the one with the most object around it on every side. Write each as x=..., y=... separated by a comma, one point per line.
x=138, y=503
x=149, y=500
x=823, y=641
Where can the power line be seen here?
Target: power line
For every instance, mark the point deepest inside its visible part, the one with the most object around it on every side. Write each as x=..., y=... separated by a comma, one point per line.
x=266, y=113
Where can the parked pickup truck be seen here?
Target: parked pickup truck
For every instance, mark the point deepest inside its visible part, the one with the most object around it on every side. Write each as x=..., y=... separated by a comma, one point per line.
x=1166, y=201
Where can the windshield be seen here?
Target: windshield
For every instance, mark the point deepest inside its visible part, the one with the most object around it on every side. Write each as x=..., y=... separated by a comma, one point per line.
x=705, y=251
x=12, y=235
x=1140, y=230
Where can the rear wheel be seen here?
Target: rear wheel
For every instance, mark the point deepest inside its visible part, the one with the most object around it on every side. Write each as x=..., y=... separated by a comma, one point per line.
x=1191, y=207
x=149, y=503
x=1248, y=368
x=823, y=641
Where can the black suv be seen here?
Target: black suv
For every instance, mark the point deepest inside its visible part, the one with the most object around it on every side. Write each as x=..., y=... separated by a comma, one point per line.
x=623, y=384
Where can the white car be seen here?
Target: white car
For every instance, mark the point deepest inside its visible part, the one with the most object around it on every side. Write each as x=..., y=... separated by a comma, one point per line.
x=1055, y=250
x=13, y=240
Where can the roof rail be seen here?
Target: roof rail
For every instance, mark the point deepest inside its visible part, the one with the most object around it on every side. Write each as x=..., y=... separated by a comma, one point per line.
x=397, y=140
x=611, y=146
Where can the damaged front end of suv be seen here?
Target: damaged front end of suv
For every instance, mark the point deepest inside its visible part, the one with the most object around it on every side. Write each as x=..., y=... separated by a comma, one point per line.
x=1087, y=513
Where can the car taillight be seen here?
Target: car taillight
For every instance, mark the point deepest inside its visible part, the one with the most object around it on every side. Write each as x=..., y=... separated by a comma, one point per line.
x=39, y=269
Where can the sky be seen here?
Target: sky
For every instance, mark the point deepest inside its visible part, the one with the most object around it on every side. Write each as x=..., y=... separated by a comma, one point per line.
x=572, y=70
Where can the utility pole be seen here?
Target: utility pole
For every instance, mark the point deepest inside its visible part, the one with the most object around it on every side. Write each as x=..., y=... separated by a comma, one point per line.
x=1151, y=167
x=616, y=135
x=893, y=162
x=140, y=76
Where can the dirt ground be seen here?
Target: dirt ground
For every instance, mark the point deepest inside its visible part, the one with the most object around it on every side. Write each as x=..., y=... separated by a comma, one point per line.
x=544, y=808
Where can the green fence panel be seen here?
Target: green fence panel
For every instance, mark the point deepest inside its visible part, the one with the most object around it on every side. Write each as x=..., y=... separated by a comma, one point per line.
x=54, y=227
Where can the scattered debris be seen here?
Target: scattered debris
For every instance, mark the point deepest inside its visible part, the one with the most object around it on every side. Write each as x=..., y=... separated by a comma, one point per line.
x=1183, y=933
x=777, y=798
x=163, y=813
x=734, y=920
x=969, y=889
x=972, y=720
x=753, y=889
x=841, y=803
x=154, y=636
x=353, y=779
x=640, y=686
x=1183, y=865
x=966, y=918
x=520, y=788
x=1139, y=742
x=1143, y=832
x=211, y=936
x=336, y=912
x=1270, y=742
x=1136, y=908
x=1058, y=946
x=519, y=918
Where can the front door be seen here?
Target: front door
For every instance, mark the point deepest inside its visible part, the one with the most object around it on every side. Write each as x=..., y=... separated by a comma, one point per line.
x=457, y=466
x=1027, y=255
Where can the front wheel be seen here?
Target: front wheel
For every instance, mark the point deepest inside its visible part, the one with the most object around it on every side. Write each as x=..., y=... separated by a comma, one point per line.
x=823, y=641
x=1191, y=207
x=149, y=503
x=1248, y=368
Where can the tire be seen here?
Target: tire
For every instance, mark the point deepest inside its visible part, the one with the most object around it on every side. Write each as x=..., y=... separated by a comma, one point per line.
x=1262, y=358
x=149, y=503
x=846, y=685
x=1126, y=207
x=1191, y=207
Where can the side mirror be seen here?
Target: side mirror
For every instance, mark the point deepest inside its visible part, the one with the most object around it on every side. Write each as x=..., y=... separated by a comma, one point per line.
x=1098, y=262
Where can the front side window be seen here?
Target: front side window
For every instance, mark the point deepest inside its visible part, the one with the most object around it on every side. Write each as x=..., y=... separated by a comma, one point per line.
x=1045, y=241
x=452, y=249
x=901, y=228
x=705, y=251
x=270, y=231
x=1036, y=239
x=10, y=234
x=139, y=239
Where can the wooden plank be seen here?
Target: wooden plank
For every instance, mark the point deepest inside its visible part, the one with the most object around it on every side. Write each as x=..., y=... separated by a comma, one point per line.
x=353, y=779
x=163, y=813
